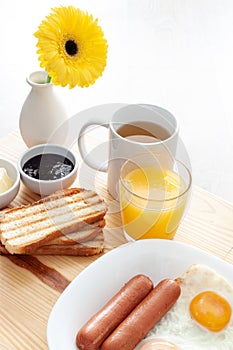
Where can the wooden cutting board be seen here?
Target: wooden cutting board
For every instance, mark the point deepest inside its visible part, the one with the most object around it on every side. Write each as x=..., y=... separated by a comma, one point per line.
x=30, y=286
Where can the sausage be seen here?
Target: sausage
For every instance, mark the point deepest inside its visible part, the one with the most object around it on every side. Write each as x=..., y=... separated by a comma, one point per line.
x=101, y=324
x=143, y=318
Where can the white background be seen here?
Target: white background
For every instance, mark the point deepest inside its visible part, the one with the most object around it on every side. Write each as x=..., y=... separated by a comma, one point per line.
x=177, y=54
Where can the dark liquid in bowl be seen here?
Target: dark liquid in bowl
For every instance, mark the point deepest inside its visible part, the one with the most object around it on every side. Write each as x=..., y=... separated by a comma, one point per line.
x=48, y=166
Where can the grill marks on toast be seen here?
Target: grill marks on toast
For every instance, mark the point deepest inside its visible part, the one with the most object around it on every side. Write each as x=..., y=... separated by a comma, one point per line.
x=17, y=216
x=25, y=228
x=92, y=247
x=85, y=234
x=46, y=218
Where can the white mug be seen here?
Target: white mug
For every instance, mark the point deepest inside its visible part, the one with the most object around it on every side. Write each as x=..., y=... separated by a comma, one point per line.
x=122, y=148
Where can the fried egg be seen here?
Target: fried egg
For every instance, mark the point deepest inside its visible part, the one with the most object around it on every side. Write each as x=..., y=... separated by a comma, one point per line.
x=200, y=319
x=157, y=344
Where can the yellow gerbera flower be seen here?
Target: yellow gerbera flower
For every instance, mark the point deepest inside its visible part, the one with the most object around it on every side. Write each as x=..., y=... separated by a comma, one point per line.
x=71, y=47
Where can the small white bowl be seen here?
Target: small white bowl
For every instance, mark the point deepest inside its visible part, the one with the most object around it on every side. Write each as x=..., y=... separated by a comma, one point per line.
x=46, y=187
x=13, y=173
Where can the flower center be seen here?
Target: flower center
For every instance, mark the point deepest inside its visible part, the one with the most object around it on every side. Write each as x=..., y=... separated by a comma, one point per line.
x=71, y=47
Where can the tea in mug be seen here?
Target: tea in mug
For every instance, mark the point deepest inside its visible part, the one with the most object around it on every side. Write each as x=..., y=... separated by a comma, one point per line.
x=145, y=132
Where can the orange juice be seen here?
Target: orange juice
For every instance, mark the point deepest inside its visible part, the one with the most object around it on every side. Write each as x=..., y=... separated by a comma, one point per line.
x=152, y=202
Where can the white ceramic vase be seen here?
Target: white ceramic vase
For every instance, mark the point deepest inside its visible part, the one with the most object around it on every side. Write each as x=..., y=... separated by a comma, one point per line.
x=43, y=118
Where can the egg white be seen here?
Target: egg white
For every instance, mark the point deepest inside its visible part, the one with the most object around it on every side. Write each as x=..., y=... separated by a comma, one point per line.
x=178, y=327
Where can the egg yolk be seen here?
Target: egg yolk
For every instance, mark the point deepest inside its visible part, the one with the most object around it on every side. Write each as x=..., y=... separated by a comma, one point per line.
x=210, y=310
x=158, y=344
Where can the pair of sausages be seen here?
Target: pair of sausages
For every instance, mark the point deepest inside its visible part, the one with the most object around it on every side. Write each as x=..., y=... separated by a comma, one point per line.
x=127, y=317
x=100, y=325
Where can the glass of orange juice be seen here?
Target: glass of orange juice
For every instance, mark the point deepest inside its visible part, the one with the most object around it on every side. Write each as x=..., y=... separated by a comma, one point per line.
x=153, y=196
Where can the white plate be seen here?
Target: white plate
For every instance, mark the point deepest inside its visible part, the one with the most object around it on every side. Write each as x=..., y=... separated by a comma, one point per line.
x=96, y=284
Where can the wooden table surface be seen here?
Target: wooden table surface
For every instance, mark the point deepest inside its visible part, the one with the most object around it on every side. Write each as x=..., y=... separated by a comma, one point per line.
x=27, y=294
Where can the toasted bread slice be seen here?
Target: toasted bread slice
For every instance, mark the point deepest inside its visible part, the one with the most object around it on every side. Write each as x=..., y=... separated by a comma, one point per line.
x=93, y=247
x=86, y=233
x=25, y=228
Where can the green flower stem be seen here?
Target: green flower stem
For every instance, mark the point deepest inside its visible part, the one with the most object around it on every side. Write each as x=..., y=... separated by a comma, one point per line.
x=48, y=79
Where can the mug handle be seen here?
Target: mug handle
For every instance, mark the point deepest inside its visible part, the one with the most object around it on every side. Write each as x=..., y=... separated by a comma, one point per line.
x=92, y=160
x=102, y=117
